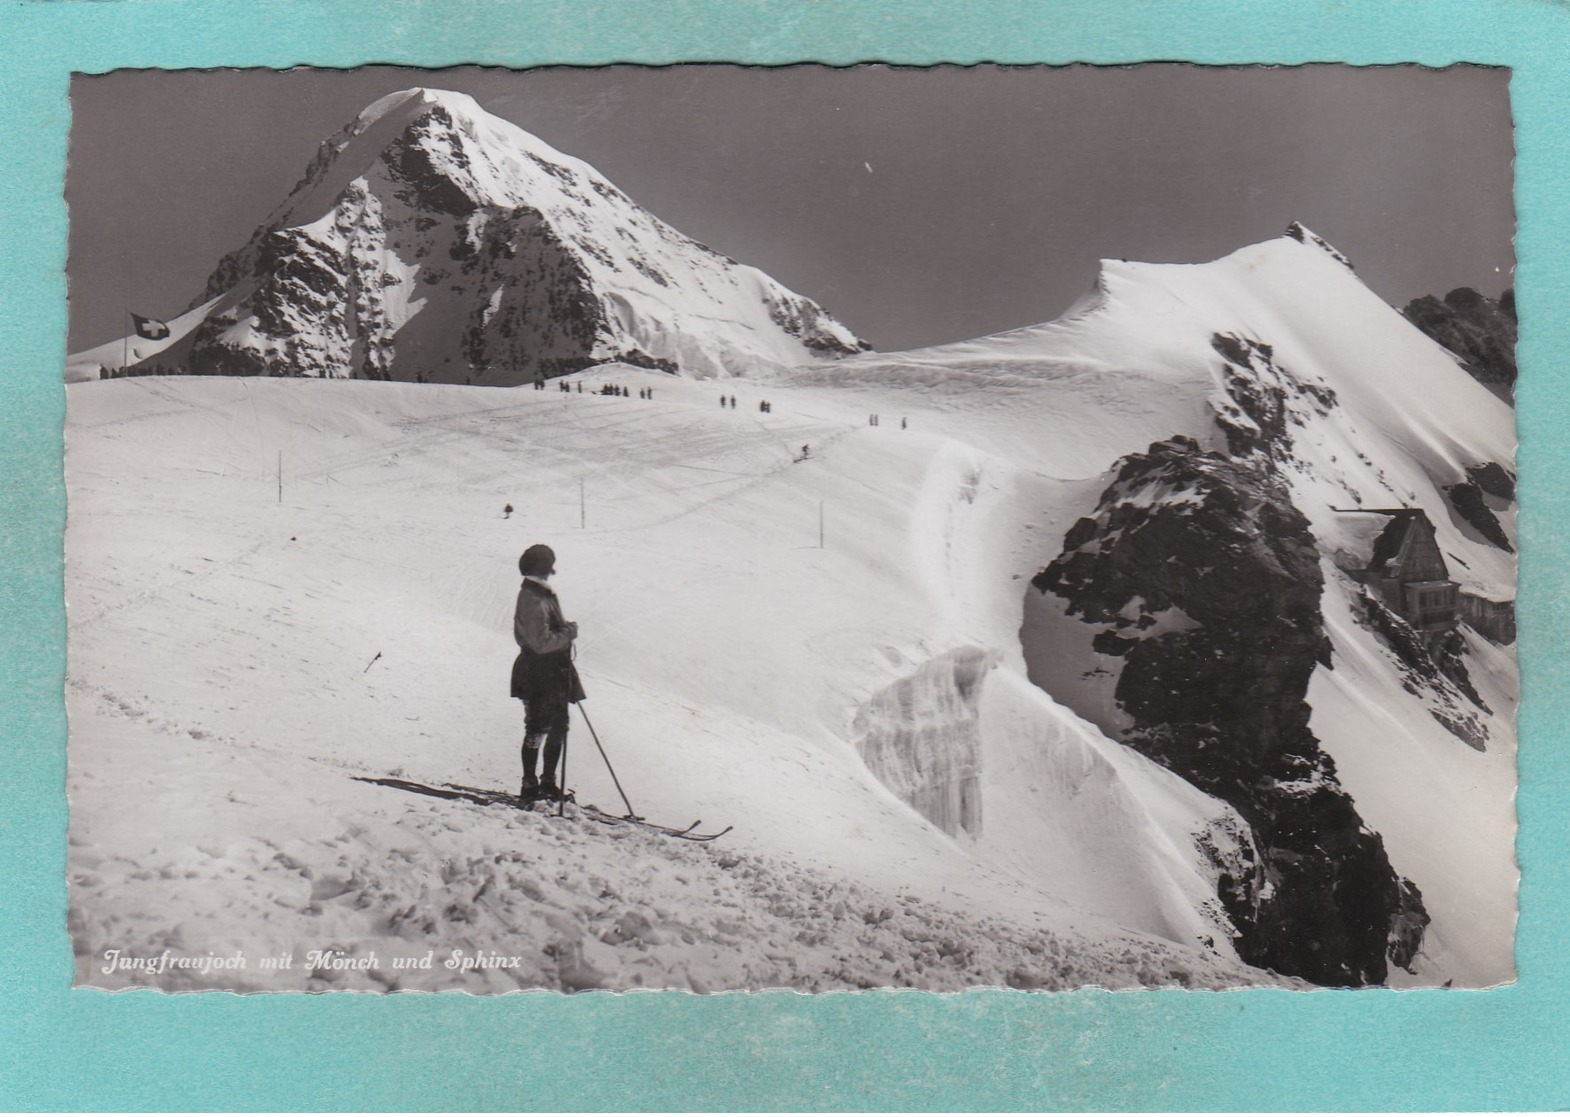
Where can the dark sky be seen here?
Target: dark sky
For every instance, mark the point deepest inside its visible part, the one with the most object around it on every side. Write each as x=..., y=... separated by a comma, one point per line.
x=920, y=206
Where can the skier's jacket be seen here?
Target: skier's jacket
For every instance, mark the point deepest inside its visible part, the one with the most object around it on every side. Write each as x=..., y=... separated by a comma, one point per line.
x=543, y=670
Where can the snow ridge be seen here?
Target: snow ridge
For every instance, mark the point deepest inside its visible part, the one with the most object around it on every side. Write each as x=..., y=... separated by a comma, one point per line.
x=1279, y=349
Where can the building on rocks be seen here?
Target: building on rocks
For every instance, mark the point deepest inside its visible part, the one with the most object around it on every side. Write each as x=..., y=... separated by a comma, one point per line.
x=1406, y=569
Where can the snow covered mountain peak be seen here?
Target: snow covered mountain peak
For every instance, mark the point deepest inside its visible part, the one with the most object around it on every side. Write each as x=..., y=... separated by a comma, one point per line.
x=432, y=241
x=415, y=99
x=1232, y=435
x=462, y=147
x=1304, y=235
x=1107, y=319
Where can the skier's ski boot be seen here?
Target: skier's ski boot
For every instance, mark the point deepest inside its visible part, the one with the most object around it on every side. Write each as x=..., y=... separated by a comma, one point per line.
x=528, y=792
x=548, y=790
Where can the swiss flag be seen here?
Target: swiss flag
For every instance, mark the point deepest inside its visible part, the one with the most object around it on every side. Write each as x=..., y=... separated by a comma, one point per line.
x=150, y=328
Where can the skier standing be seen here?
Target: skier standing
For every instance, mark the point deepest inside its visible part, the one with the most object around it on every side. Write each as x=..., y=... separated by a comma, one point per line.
x=542, y=675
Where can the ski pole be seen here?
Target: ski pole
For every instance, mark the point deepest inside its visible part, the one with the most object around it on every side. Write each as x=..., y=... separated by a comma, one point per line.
x=561, y=798
x=584, y=714
x=561, y=802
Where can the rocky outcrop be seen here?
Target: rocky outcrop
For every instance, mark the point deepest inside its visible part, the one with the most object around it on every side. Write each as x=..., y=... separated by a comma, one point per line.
x=1202, y=579
x=1494, y=479
x=1434, y=667
x=1479, y=331
x=1304, y=235
x=1260, y=403
x=1467, y=500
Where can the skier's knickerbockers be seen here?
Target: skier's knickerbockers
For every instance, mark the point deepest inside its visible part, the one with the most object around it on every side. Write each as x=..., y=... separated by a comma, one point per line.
x=542, y=675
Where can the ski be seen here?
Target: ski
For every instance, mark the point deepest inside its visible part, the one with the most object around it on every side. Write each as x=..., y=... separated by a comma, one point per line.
x=489, y=797
x=687, y=833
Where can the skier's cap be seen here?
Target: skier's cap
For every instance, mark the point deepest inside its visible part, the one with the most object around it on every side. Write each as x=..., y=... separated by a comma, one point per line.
x=538, y=561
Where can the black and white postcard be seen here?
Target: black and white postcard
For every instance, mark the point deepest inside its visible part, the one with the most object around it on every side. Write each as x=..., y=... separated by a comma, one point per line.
x=722, y=528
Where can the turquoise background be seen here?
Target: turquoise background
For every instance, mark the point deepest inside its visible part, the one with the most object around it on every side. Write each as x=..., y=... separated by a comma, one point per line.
x=1261, y=1050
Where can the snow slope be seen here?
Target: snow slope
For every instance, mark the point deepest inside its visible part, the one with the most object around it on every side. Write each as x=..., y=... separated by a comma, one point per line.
x=225, y=692
x=1136, y=362
x=861, y=710
x=432, y=241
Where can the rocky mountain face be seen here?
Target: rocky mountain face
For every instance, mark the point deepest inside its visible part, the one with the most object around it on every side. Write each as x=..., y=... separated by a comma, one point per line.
x=1480, y=331
x=1203, y=578
x=431, y=241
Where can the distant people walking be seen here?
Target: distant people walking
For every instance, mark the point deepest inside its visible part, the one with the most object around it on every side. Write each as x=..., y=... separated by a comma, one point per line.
x=542, y=676
x=506, y=511
x=806, y=451
x=902, y=424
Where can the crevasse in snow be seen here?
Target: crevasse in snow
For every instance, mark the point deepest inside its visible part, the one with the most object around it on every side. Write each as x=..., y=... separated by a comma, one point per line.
x=920, y=736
